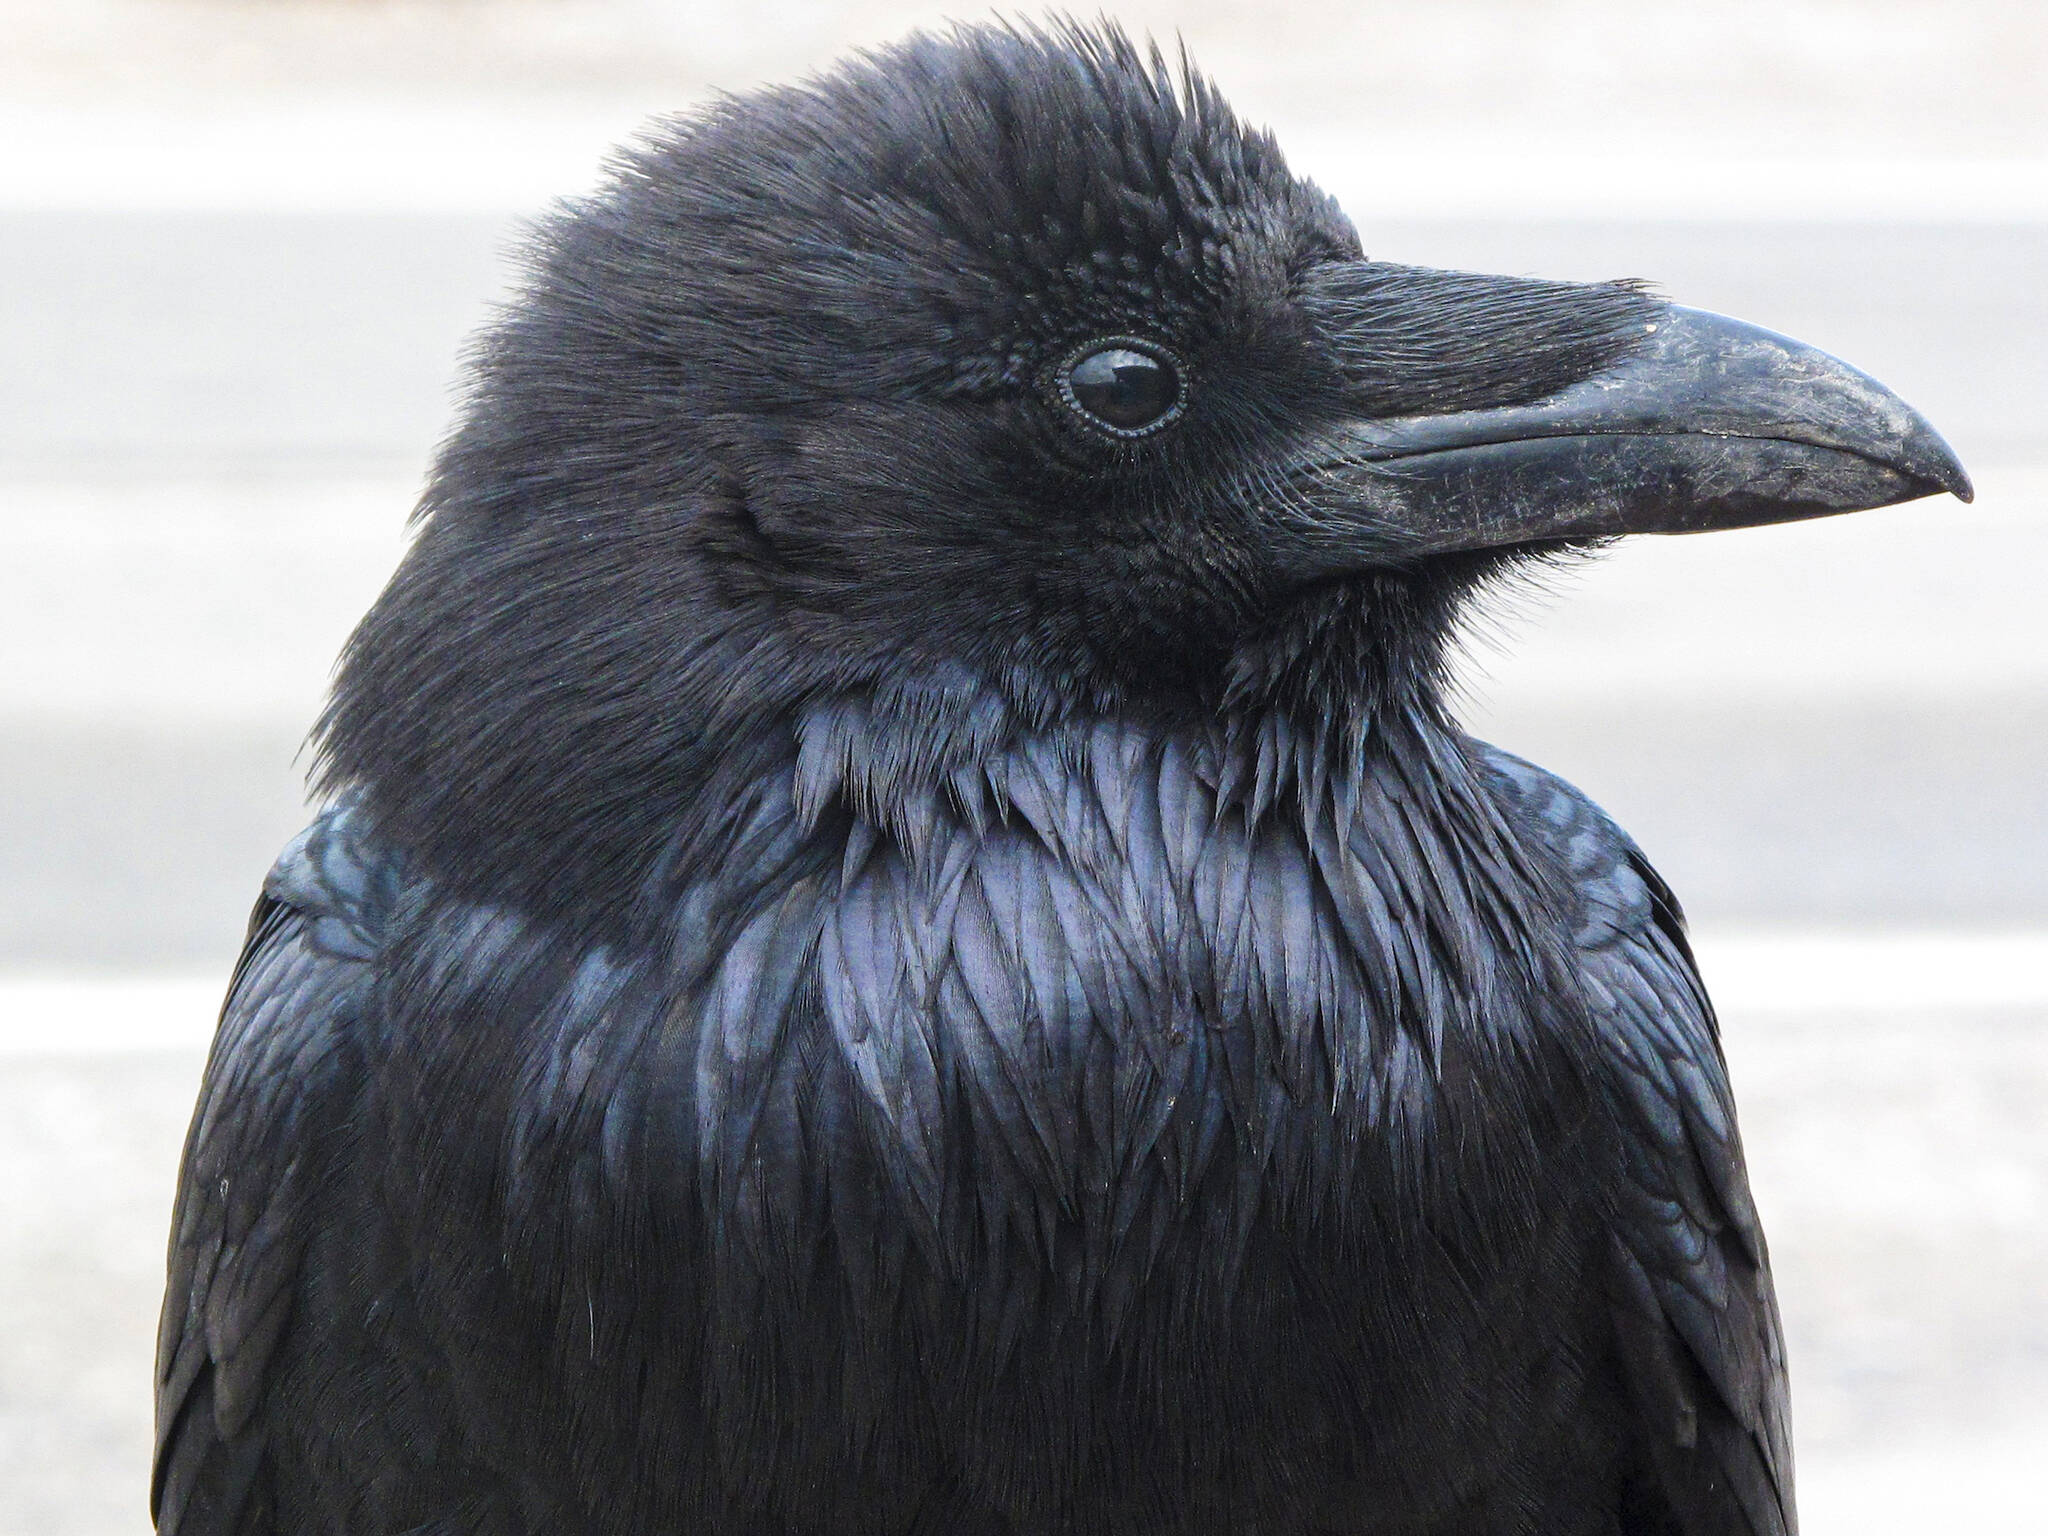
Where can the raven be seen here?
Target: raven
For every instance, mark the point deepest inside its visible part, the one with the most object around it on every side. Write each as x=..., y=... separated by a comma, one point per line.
x=904, y=942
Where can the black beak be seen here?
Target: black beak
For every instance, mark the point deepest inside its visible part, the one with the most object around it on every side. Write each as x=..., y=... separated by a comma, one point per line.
x=1709, y=423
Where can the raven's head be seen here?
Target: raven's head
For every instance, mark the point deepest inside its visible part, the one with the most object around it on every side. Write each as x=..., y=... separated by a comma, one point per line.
x=1009, y=364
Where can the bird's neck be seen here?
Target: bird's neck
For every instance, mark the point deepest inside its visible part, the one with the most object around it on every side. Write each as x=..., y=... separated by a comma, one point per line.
x=904, y=766
x=575, y=802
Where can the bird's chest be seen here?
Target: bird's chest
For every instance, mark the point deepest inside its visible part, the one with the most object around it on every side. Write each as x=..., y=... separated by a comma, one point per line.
x=1128, y=1011
x=1071, y=1138
x=1097, y=1130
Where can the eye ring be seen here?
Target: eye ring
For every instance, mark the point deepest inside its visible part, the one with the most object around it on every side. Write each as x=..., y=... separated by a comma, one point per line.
x=1142, y=388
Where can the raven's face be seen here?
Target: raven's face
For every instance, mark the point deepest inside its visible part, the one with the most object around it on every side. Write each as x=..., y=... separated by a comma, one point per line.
x=1011, y=351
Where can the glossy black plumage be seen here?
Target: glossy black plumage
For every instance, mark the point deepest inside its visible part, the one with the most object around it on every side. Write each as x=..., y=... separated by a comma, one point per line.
x=882, y=964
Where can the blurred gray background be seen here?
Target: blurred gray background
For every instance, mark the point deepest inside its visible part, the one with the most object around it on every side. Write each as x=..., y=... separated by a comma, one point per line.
x=241, y=244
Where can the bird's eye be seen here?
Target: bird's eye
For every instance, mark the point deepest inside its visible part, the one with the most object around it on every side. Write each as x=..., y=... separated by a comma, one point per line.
x=1122, y=386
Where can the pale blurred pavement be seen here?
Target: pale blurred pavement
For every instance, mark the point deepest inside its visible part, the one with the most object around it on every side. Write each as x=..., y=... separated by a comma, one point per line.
x=240, y=244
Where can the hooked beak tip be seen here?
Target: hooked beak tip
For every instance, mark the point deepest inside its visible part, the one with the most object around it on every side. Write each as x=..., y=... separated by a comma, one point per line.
x=1956, y=481
x=1925, y=456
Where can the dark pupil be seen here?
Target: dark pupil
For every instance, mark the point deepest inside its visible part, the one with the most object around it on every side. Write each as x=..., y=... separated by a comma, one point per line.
x=1125, y=389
